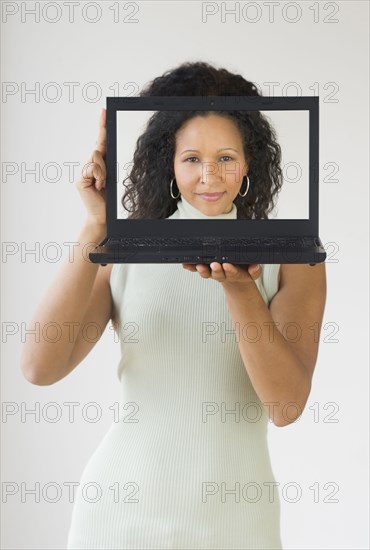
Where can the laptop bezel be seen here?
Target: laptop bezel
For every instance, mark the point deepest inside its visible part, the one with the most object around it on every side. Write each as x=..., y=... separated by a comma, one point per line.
x=211, y=228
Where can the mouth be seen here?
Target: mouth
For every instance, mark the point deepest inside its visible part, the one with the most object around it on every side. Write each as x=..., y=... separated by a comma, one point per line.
x=211, y=196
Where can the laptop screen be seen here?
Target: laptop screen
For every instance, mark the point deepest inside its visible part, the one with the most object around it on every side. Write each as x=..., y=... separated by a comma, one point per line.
x=259, y=154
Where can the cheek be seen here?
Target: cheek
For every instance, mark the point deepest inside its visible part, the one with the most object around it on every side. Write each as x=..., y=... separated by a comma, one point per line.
x=233, y=173
x=187, y=173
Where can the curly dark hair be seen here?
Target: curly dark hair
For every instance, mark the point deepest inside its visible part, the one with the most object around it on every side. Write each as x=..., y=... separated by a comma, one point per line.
x=147, y=190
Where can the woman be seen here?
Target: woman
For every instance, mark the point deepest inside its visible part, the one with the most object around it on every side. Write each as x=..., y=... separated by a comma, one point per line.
x=187, y=463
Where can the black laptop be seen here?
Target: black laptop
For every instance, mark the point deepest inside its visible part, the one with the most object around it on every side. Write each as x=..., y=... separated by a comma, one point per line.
x=289, y=234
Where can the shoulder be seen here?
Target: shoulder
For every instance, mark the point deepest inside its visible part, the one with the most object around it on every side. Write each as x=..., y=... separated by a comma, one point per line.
x=302, y=276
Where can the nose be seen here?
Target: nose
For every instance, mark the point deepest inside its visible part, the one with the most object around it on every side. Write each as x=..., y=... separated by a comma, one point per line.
x=210, y=171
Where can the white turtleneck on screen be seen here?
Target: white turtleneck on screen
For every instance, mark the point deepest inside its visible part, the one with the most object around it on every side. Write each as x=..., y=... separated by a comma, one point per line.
x=187, y=465
x=185, y=211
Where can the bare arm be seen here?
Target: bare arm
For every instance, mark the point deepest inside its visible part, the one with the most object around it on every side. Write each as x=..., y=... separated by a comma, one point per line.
x=281, y=364
x=80, y=294
x=280, y=367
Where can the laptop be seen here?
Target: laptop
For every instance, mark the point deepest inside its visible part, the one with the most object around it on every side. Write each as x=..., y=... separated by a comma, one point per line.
x=289, y=234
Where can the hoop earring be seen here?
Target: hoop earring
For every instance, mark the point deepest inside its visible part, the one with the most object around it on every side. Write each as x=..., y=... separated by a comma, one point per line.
x=171, y=190
x=247, y=186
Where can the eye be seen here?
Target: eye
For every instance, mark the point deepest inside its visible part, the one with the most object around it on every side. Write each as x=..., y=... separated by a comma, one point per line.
x=224, y=156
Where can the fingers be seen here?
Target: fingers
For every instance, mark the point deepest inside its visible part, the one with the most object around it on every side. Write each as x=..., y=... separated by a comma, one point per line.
x=218, y=271
x=189, y=267
x=94, y=171
x=225, y=271
x=203, y=270
x=215, y=270
x=101, y=142
x=255, y=271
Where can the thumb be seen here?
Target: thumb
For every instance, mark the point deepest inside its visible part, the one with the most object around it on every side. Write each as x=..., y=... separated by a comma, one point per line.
x=255, y=271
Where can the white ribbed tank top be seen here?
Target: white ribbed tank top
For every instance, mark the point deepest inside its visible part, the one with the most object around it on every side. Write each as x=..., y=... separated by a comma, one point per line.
x=187, y=464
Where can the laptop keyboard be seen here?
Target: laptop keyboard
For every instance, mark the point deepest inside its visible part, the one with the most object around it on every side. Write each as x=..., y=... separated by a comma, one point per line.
x=171, y=242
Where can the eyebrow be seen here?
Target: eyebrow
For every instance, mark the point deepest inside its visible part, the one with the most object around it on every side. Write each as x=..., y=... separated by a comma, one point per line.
x=218, y=150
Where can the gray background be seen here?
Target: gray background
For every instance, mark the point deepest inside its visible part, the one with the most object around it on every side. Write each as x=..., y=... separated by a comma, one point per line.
x=325, y=52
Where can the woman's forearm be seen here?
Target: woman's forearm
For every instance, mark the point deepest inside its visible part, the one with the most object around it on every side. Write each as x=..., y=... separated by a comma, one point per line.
x=276, y=373
x=63, y=306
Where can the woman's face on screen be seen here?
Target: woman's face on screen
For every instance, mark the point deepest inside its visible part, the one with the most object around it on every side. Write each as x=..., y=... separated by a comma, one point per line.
x=209, y=160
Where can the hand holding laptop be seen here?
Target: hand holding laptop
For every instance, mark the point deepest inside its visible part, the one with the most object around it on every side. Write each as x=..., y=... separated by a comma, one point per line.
x=91, y=184
x=226, y=272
